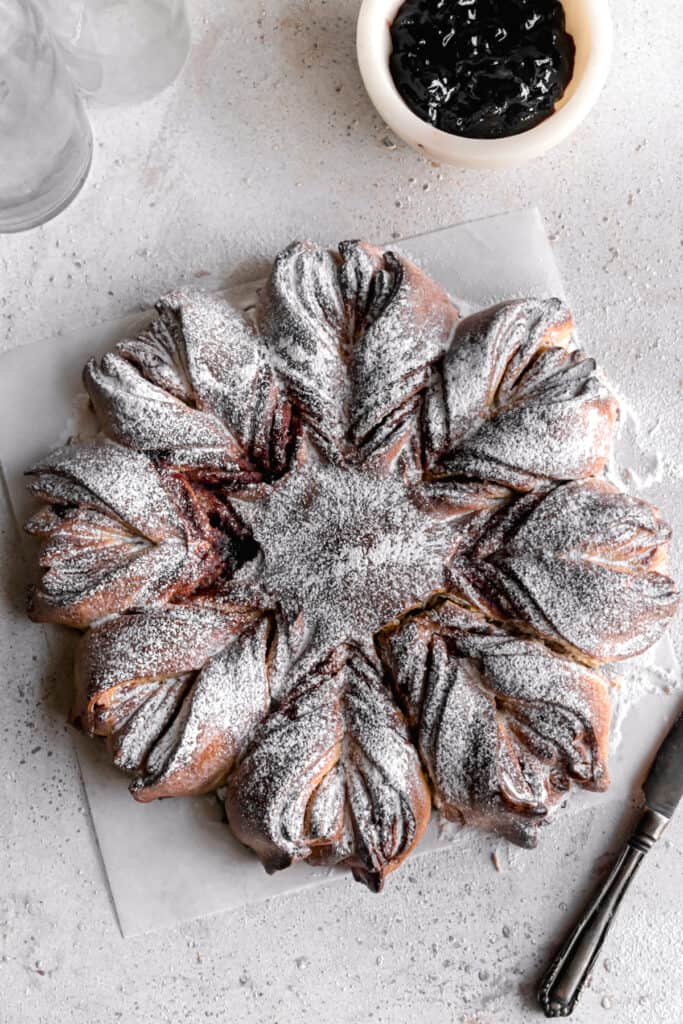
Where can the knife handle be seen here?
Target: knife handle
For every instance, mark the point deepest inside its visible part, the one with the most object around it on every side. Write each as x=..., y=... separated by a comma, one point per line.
x=563, y=982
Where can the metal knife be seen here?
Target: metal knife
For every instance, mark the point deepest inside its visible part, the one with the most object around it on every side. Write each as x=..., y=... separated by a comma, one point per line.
x=562, y=983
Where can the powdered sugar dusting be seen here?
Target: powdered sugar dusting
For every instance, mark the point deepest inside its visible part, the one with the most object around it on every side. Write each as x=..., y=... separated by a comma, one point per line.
x=504, y=725
x=582, y=564
x=325, y=467
x=332, y=776
x=346, y=550
x=515, y=402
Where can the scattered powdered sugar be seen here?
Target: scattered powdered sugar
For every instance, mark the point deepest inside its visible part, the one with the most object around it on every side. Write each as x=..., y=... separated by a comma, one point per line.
x=656, y=671
x=636, y=464
x=81, y=422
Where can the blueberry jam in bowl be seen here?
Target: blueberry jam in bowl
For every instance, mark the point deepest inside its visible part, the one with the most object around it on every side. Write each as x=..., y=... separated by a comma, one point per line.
x=484, y=83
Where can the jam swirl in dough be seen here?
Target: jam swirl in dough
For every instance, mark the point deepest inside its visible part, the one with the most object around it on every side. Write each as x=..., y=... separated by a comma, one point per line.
x=482, y=69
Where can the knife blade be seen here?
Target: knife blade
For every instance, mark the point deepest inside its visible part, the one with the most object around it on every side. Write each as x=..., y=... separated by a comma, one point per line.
x=663, y=786
x=563, y=982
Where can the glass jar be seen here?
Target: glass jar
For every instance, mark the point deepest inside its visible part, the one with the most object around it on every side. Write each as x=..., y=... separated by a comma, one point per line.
x=45, y=137
x=121, y=51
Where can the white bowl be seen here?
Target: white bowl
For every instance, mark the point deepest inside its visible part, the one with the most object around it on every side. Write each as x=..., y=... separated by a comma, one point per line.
x=589, y=23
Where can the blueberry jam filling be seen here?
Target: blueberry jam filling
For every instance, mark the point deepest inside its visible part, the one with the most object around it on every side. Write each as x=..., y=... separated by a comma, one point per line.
x=482, y=69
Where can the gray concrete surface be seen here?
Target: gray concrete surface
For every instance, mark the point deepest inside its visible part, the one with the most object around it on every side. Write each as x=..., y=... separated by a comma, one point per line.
x=267, y=135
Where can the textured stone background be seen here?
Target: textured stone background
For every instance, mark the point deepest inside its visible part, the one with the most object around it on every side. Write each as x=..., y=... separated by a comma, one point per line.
x=267, y=135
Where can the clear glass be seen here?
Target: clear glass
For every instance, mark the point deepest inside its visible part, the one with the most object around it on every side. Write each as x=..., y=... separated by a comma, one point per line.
x=121, y=51
x=45, y=137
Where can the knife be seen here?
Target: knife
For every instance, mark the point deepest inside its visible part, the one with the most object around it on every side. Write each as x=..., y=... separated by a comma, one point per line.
x=562, y=983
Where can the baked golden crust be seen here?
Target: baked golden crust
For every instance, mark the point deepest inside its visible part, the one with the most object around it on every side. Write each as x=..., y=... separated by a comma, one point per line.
x=331, y=776
x=581, y=563
x=513, y=403
x=504, y=726
x=346, y=555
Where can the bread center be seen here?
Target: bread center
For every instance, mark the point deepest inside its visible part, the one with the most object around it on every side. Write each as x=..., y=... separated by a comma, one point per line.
x=344, y=551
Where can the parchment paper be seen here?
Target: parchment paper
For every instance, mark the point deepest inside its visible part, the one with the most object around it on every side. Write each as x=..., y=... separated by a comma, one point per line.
x=173, y=860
